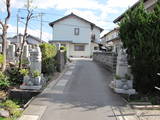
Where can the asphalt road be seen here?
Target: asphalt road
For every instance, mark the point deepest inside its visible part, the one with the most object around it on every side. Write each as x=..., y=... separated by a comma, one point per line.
x=82, y=93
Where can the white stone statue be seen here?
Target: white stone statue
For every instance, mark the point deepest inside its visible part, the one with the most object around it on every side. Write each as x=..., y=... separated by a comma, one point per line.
x=35, y=79
x=35, y=59
x=122, y=64
x=122, y=83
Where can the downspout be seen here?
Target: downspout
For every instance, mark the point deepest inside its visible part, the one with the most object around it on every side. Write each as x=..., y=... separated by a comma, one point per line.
x=52, y=32
x=90, y=51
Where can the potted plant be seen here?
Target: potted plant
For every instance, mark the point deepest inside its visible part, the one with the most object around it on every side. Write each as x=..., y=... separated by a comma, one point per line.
x=118, y=82
x=129, y=80
x=37, y=77
x=25, y=73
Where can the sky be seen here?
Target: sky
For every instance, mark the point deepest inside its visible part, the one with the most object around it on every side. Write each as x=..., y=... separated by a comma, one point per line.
x=100, y=12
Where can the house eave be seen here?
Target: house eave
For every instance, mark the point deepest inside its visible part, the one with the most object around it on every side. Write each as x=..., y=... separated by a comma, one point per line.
x=72, y=14
x=118, y=19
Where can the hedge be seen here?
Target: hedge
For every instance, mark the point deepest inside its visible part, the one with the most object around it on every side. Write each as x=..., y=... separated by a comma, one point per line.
x=140, y=34
x=49, y=52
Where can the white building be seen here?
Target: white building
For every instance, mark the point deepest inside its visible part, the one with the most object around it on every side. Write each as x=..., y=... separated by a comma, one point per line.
x=77, y=34
x=112, y=40
x=31, y=40
x=148, y=5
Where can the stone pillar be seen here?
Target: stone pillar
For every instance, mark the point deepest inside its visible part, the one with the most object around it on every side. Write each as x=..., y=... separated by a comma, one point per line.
x=31, y=82
x=35, y=59
x=11, y=53
x=26, y=52
x=122, y=64
x=122, y=83
x=0, y=48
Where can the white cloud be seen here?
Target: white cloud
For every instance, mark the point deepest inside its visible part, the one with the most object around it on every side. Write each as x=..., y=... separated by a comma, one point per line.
x=92, y=17
x=88, y=14
x=93, y=10
x=60, y=4
x=74, y=4
x=120, y=3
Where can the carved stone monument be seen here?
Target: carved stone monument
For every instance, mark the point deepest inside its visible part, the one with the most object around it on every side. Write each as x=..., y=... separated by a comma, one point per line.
x=123, y=82
x=0, y=48
x=34, y=82
x=11, y=53
x=26, y=52
x=35, y=59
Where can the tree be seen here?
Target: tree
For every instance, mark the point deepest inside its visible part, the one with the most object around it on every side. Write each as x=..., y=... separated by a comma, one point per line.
x=28, y=18
x=4, y=33
x=139, y=32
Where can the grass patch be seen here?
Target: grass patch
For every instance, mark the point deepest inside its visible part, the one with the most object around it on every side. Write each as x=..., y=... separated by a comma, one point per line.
x=13, y=109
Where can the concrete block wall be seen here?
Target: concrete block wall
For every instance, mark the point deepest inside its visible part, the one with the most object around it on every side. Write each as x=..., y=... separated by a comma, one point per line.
x=107, y=59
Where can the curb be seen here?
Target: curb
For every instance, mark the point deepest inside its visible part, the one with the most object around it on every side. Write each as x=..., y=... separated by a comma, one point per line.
x=35, y=117
x=146, y=107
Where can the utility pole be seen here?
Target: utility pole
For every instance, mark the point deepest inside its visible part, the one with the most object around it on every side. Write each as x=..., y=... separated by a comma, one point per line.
x=17, y=27
x=41, y=25
x=28, y=5
x=18, y=37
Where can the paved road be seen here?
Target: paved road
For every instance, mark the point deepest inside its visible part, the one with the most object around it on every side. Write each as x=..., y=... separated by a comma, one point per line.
x=82, y=93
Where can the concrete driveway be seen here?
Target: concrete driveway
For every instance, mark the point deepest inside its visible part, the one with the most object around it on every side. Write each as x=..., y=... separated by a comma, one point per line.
x=82, y=93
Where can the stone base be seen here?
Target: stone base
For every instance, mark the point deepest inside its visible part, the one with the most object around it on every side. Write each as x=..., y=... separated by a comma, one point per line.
x=30, y=87
x=122, y=91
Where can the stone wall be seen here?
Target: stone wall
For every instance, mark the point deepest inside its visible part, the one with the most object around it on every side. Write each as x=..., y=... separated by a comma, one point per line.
x=107, y=59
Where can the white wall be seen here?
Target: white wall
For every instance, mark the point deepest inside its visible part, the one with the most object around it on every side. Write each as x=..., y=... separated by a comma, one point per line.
x=97, y=33
x=148, y=4
x=64, y=30
x=74, y=53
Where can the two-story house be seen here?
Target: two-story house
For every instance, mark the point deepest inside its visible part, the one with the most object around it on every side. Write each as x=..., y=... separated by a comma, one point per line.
x=76, y=34
x=30, y=40
x=111, y=40
x=148, y=5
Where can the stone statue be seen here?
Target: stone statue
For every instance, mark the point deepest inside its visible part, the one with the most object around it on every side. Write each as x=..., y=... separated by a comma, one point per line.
x=34, y=81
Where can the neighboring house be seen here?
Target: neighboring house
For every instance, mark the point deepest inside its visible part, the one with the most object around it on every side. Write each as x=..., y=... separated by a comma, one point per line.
x=31, y=40
x=148, y=4
x=77, y=34
x=111, y=40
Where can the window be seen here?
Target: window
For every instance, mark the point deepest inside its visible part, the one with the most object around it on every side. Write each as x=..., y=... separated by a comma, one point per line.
x=79, y=47
x=76, y=31
x=95, y=48
x=63, y=45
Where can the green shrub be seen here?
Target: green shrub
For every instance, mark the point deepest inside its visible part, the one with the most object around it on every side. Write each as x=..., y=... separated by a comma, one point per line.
x=24, y=72
x=36, y=74
x=12, y=107
x=139, y=32
x=1, y=58
x=15, y=77
x=65, y=52
x=4, y=81
x=49, y=52
x=117, y=77
x=3, y=118
x=63, y=48
x=25, y=62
